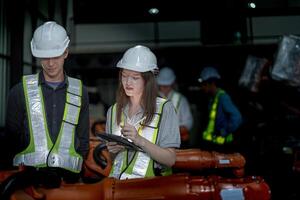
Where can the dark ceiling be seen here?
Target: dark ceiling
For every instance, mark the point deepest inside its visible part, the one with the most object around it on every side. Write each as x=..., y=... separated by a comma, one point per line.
x=95, y=11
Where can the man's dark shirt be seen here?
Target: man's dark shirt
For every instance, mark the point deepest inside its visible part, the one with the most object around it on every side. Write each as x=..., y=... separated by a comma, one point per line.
x=54, y=101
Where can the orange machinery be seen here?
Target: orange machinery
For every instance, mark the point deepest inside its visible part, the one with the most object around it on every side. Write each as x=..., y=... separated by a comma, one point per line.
x=176, y=186
x=186, y=159
x=179, y=186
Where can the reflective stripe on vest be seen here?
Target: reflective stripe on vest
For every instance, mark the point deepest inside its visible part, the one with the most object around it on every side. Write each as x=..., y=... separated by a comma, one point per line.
x=119, y=162
x=141, y=165
x=175, y=98
x=63, y=153
x=209, y=133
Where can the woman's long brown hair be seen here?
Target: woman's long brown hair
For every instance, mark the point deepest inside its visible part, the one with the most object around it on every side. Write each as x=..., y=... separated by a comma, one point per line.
x=148, y=99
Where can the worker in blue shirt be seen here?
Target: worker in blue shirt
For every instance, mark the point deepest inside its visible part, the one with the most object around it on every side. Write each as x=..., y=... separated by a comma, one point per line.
x=224, y=118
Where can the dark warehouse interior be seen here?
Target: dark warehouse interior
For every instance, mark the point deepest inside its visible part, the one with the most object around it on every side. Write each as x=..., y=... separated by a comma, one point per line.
x=215, y=33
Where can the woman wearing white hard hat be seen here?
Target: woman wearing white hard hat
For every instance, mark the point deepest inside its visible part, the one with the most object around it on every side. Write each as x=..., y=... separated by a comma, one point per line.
x=48, y=111
x=140, y=116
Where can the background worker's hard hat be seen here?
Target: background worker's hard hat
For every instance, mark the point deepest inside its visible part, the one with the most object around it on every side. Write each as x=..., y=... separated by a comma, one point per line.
x=208, y=73
x=138, y=58
x=49, y=40
x=166, y=76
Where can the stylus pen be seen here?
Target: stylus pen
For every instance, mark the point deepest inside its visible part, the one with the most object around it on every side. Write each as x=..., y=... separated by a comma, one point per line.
x=135, y=124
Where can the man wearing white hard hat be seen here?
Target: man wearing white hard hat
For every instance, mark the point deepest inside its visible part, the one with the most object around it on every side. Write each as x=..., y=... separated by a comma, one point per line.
x=166, y=82
x=224, y=117
x=48, y=111
x=139, y=115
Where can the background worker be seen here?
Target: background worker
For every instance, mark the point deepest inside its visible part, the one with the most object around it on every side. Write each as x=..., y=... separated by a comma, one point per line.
x=224, y=118
x=166, y=84
x=47, y=113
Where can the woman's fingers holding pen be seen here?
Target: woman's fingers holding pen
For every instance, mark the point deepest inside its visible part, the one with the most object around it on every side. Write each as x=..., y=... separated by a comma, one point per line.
x=129, y=132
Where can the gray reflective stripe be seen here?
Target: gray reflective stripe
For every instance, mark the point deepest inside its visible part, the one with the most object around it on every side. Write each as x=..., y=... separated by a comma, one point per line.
x=176, y=100
x=74, y=86
x=72, y=114
x=140, y=166
x=64, y=158
x=115, y=129
x=154, y=122
x=66, y=138
x=130, y=176
x=117, y=166
x=32, y=159
x=65, y=161
x=74, y=99
x=118, y=161
x=36, y=123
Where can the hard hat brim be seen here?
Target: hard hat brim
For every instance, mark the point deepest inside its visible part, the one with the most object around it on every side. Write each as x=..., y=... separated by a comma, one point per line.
x=48, y=53
x=165, y=82
x=201, y=80
x=136, y=68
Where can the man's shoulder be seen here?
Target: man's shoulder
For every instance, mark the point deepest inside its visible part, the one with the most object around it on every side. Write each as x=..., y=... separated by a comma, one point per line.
x=179, y=93
x=16, y=92
x=224, y=98
x=17, y=87
x=182, y=97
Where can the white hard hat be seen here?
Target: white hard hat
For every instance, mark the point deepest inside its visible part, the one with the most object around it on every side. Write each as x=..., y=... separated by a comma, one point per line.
x=49, y=40
x=138, y=58
x=208, y=73
x=166, y=76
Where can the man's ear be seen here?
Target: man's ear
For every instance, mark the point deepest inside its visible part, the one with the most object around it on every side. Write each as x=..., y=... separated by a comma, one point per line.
x=66, y=53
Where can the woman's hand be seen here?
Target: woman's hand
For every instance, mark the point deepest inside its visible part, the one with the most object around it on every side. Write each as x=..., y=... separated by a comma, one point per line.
x=131, y=134
x=113, y=147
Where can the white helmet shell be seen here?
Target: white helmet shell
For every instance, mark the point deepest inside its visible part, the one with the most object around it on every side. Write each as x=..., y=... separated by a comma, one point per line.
x=166, y=76
x=207, y=73
x=138, y=58
x=49, y=40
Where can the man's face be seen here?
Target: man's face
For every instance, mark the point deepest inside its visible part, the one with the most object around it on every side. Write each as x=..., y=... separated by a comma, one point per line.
x=53, y=67
x=205, y=87
x=165, y=89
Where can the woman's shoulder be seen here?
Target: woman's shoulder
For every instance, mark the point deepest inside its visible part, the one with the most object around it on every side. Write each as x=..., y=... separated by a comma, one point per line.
x=111, y=107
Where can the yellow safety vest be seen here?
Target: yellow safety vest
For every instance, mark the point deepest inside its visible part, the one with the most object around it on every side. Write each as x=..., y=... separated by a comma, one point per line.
x=141, y=165
x=209, y=133
x=41, y=152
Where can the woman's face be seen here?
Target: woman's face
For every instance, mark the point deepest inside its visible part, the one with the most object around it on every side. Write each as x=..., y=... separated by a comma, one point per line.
x=133, y=83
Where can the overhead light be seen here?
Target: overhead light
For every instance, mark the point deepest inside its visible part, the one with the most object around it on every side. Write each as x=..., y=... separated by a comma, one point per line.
x=251, y=5
x=153, y=11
